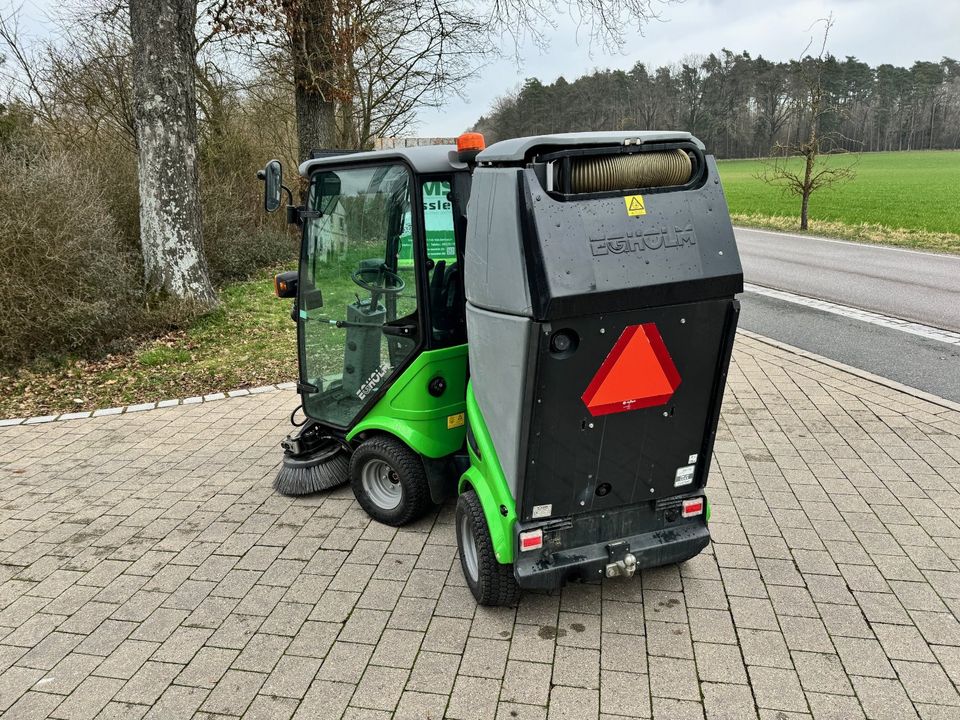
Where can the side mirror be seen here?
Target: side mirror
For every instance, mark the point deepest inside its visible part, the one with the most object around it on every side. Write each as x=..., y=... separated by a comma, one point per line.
x=272, y=176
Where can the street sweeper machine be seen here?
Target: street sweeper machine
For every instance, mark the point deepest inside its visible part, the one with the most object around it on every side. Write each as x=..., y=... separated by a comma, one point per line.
x=541, y=328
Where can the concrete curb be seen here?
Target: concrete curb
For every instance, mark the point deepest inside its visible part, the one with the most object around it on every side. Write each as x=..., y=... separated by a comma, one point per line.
x=863, y=374
x=141, y=407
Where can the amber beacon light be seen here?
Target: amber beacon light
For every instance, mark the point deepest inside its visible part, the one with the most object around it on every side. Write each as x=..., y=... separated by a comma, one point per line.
x=469, y=146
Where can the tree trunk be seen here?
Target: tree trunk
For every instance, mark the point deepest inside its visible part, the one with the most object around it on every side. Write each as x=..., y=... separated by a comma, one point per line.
x=312, y=43
x=165, y=114
x=933, y=115
x=811, y=158
x=316, y=122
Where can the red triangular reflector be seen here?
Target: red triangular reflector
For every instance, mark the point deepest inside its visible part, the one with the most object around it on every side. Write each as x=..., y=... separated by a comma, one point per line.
x=638, y=373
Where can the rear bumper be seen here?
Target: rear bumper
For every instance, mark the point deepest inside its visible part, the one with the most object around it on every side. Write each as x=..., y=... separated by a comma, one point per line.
x=535, y=570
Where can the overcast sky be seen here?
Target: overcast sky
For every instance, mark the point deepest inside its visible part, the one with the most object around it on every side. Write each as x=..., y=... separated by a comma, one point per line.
x=875, y=31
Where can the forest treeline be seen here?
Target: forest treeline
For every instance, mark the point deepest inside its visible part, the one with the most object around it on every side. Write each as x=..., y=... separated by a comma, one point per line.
x=742, y=106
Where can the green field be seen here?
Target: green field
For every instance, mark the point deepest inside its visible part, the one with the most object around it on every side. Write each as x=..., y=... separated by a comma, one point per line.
x=914, y=191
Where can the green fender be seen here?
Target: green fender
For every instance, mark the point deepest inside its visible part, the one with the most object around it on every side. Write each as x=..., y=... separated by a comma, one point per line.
x=431, y=426
x=486, y=478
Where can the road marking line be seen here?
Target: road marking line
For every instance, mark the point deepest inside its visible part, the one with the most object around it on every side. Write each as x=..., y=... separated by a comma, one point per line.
x=926, y=331
x=868, y=245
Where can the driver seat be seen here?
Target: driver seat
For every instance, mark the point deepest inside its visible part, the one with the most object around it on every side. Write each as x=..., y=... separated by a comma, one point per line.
x=447, y=302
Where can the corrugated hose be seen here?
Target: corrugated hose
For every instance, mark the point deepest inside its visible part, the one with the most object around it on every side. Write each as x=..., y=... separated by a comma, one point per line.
x=602, y=173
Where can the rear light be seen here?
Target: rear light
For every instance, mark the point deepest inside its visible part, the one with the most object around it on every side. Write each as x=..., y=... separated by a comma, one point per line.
x=692, y=507
x=531, y=540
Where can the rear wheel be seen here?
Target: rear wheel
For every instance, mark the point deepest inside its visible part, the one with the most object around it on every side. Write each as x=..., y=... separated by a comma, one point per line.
x=492, y=583
x=389, y=481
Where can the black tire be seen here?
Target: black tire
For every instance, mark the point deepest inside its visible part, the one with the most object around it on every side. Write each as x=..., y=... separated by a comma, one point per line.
x=405, y=477
x=492, y=583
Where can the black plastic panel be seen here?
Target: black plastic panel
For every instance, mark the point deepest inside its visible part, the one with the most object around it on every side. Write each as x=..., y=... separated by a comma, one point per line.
x=570, y=452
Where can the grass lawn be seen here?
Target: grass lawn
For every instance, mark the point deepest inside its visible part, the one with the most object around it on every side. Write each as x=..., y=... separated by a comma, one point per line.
x=902, y=198
x=248, y=341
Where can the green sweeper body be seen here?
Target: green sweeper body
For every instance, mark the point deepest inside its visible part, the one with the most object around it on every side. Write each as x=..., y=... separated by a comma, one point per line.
x=541, y=328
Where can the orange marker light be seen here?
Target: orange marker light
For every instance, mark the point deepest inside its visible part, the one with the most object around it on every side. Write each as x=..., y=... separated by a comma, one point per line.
x=285, y=284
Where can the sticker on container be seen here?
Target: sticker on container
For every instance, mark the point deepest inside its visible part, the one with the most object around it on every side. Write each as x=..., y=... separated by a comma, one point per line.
x=684, y=476
x=635, y=206
x=542, y=511
x=455, y=421
x=692, y=460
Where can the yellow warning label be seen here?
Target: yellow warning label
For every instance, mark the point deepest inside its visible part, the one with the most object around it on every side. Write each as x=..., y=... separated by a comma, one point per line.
x=454, y=421
x=635, y=206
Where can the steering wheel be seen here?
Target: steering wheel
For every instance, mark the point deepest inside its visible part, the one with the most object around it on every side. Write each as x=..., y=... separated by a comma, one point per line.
x=382, y=274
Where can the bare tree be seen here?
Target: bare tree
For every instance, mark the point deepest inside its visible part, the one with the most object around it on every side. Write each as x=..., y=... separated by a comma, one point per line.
x=771, y=100
x=165, y=117
x=407, y=55
x=19, y=76
x=608, y=23
x=821, y=150
x=362, y=67
x=305, y=31
x=310, y=29
x=79, y=88
x=359, y=68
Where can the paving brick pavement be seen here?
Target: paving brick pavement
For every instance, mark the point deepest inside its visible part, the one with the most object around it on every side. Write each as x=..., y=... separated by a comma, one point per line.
x=147, y=570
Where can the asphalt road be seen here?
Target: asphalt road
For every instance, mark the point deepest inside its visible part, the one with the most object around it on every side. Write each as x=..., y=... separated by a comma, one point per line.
x=927, y=365
x=914, y=286
x=918, y=286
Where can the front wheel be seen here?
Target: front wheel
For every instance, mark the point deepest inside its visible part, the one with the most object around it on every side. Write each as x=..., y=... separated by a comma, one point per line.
x=389, y=481
x=492, y=583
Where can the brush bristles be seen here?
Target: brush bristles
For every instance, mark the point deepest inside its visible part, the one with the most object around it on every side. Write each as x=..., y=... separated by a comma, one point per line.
x=295, y=480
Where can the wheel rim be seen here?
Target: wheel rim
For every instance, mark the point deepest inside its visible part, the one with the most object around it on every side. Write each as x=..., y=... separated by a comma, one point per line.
x=468, y=547
x=381, y=484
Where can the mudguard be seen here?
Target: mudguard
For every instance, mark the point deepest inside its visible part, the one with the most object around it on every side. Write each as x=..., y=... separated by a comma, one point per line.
x=486, y=478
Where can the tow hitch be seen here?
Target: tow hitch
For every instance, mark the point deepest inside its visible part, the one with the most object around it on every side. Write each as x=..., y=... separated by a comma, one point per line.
x=622, y=563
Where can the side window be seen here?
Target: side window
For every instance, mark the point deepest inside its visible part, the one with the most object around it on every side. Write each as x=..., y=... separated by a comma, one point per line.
x=357, y=299
x=444, y=283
